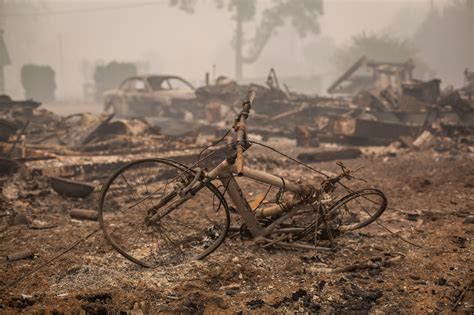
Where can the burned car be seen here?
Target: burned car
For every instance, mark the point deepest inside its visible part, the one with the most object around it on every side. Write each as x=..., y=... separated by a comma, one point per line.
x=153, y=96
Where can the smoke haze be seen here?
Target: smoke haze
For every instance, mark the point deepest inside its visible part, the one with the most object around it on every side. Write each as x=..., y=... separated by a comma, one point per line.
x=73, y=36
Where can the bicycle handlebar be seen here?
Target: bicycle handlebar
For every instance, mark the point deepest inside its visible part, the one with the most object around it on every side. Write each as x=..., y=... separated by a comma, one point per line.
x=329, y=184
x=239, y=126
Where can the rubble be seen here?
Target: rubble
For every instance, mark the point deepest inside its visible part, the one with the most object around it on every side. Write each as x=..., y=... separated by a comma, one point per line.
x=8, y=166
x=469, y=219
x=382, y=108
x=25, y=254
x=344, y=154
x=70, y=188
x=384, y=74
x=424, y=141
x=84, y=214
x=19, y=219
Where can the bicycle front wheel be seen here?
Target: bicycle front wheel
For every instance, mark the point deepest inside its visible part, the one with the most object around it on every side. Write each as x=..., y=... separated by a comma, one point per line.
x=186, y=225
x=356, y=210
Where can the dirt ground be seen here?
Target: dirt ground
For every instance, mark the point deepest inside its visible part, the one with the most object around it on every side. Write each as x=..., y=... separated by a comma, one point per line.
x=430, y=196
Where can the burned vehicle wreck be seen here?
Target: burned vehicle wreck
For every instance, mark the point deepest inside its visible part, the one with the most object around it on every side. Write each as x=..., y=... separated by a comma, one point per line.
x=153, y=95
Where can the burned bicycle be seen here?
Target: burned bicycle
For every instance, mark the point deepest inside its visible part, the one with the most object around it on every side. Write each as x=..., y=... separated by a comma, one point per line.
x=160, y=212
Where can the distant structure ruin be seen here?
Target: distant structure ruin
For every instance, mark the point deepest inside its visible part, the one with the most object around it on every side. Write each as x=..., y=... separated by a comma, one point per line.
x=110, y=75
x=39, y=82
x=381, y=75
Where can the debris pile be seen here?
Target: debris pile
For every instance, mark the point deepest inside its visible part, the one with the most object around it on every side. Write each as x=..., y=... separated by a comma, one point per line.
x=381, y=108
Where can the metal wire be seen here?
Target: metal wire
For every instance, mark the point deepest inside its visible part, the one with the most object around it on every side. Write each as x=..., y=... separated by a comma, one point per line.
x=289, y=157
x=214, y=143
x=265, y=196
x=34, y=270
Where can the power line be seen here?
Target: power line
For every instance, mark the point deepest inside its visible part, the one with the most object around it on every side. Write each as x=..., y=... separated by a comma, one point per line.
x=86, y=10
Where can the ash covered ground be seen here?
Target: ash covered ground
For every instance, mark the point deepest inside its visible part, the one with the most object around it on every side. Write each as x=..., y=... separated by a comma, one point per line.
x=430, y=206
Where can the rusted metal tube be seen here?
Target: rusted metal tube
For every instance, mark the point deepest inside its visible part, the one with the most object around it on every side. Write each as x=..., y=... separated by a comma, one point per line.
x=278, y=208
x=239, y=161
x=83, y=214
x=269, y=211
x=218, y=170
x=24, y=254
x=272, y=179
x=241, y=204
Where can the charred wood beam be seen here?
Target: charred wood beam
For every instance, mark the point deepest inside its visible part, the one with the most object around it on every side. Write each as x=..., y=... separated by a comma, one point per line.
x=345, y=154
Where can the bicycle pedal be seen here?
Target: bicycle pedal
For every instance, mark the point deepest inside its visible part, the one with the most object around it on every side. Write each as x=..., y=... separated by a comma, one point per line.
x=232, y=210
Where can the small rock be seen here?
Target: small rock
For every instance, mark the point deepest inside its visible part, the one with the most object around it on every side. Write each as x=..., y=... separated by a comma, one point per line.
x=469, y=219
x=21, y=302
x=283, y=303
x=462, y=213
x=231, y=292
x=254, y=304
x=298, y=294
x=426, y=182
x=412, y=216
x=441, y=281
x=321, y=285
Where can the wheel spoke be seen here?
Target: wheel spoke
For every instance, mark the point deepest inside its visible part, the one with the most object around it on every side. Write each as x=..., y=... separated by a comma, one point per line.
x=184, y=229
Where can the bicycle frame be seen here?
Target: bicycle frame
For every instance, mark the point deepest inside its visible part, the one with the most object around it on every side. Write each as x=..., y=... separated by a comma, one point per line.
x=227, y=170
x=309, y=206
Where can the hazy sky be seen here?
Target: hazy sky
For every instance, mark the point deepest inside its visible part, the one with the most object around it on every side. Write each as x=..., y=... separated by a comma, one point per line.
x=68, y=34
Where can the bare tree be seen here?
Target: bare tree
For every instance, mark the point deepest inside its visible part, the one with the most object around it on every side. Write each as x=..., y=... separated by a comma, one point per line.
x=303, y=14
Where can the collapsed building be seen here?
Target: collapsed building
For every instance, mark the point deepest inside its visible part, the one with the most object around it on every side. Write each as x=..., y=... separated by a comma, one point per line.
x=369, y=109
x=396, y=105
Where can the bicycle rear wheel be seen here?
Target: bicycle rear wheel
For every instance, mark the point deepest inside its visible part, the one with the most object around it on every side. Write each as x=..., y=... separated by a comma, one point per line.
x=184, y=227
